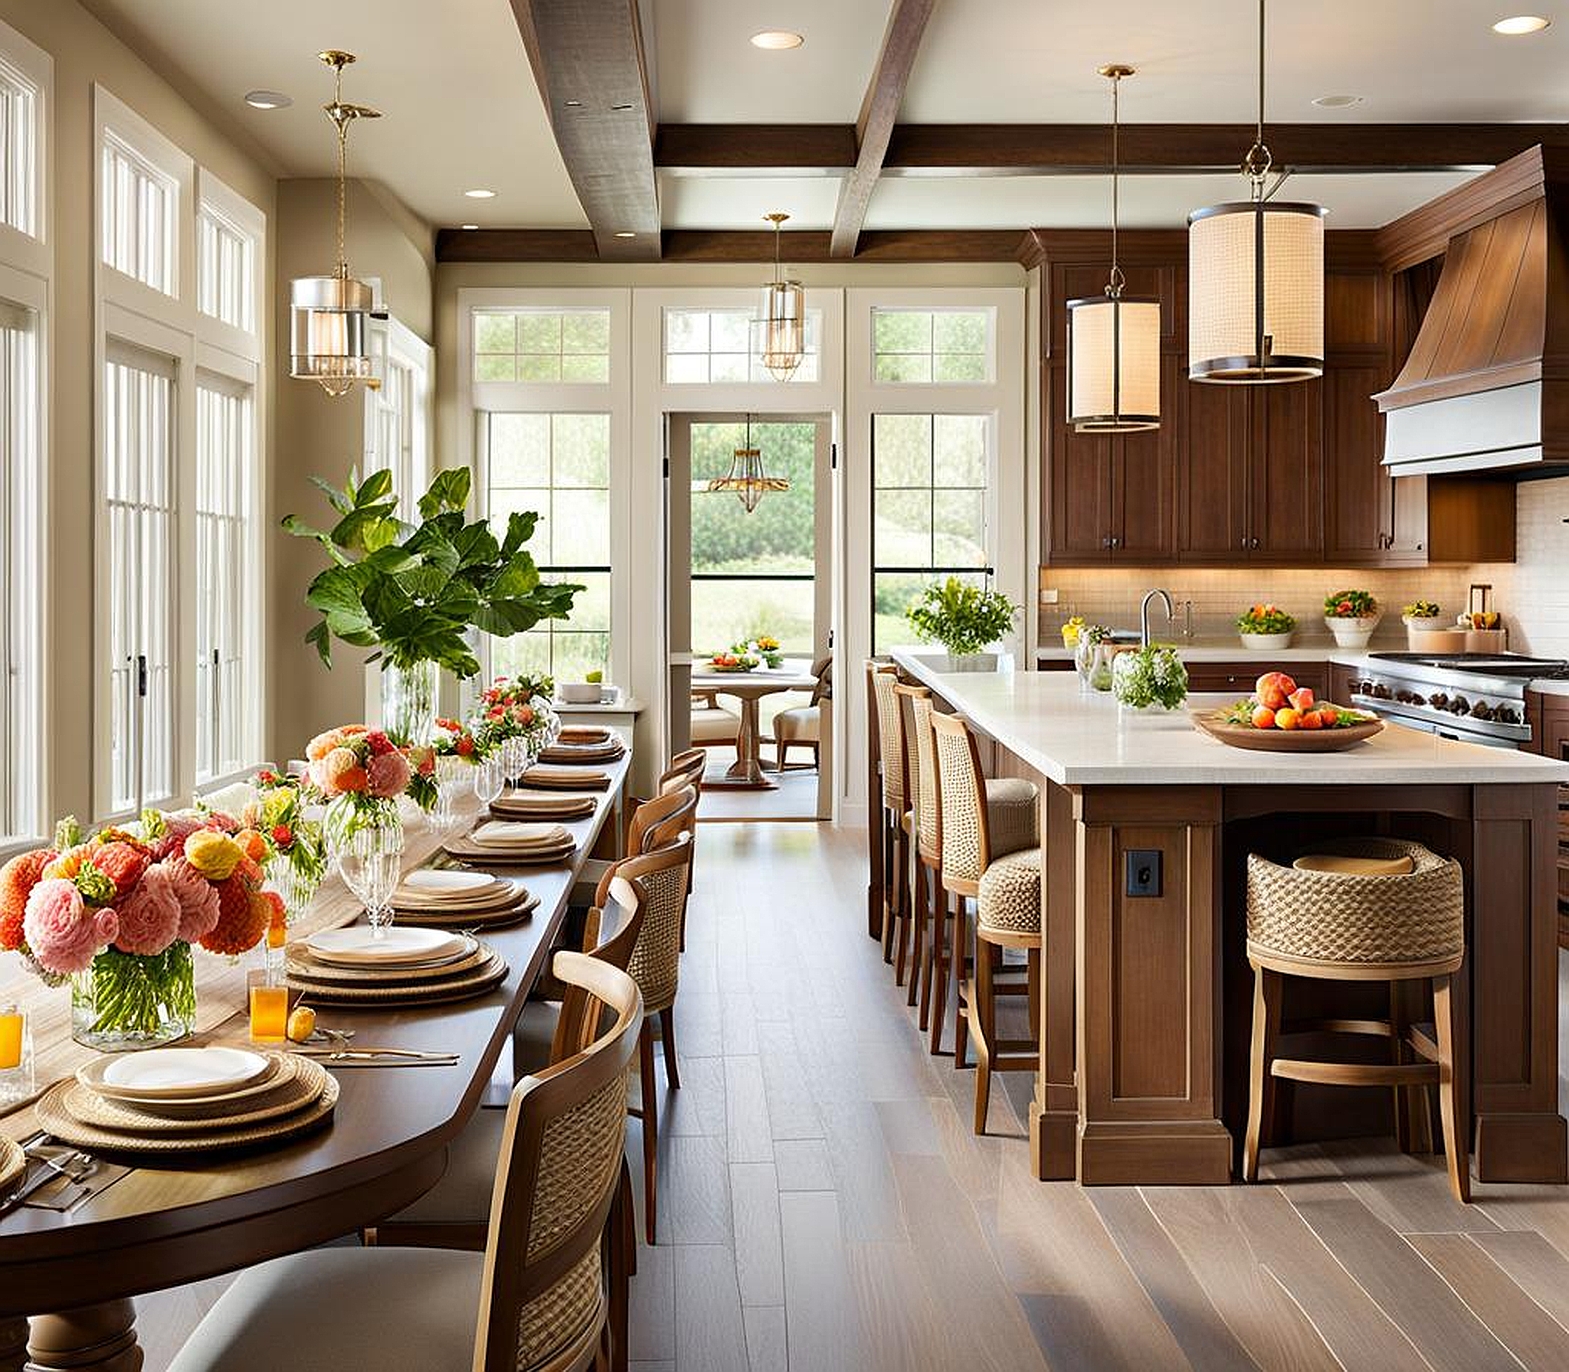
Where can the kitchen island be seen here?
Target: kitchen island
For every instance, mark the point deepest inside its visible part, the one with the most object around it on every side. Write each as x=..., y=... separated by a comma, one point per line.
x=1145, y=1016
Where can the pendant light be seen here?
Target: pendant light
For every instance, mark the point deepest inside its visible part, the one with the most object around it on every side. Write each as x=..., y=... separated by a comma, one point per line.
x=783, y=325
x=1114, y=339
x=746, y=478
x=330, y=341
x=1256, y=279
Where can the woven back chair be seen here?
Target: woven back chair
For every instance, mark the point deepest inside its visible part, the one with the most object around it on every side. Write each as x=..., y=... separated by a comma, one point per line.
x=685, y=769
x=929, y=784
x=656, y=822
x=885, y=685
x=966, y=842
x=543, y=1300
x=907, y=698
x=609, y=936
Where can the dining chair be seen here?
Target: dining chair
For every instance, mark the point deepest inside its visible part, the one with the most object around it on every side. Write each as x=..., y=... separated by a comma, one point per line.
x=894, y=834
x=712, y=725
x=654, y=824
x=535, y=1299
x=802, y=726
x=915, y=817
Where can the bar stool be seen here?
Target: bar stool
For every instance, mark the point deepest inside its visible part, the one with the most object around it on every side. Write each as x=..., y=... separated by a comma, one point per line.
x=895, y=809
x=990, y=853
x=1368, y=909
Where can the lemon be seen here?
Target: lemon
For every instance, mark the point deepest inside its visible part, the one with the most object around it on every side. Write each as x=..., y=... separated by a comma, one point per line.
x=302, y=1023
x=593, y=678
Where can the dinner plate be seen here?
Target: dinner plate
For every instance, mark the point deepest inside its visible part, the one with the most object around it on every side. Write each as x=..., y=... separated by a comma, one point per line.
x=301, y=962
x=503, y=894
x=280, y=1070
x=357, y=945
x=174, y=1072
x=501, y=833
x=445, y=883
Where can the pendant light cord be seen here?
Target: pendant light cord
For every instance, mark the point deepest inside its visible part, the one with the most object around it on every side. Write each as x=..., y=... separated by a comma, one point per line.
x=1114, y=286
x=1256, y=165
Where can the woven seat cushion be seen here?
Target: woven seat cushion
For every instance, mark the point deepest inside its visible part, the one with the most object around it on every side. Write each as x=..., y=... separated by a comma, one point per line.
x=800, y=725
x=337, y=1309
x=1010, y=895
x=1011, y=815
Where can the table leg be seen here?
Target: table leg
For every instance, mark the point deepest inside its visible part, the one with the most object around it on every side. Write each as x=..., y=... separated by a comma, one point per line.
x=746, y=771
x=99, y=1337
x=13, y=1344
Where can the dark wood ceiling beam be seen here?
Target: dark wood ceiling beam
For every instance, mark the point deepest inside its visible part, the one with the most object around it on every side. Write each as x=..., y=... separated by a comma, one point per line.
x=731, y=149
x=589, y=64
x=879, y=111
x=724, y=245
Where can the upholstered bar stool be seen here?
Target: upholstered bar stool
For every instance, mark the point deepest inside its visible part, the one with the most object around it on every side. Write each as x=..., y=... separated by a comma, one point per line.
x=991, y=854
x=914, y=818
x=1371, y=909
x=895, y=834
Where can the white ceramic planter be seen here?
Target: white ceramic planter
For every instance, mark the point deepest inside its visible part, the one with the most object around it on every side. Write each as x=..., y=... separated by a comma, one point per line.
x=1432, y=635
x=1267, y=643
x=1352, y=633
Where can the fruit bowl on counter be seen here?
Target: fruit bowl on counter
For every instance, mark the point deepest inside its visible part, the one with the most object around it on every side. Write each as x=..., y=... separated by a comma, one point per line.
x=1281, y=717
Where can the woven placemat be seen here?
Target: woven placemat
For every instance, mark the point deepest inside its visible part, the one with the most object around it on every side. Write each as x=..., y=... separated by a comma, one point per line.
x=583, y=733
x=491, y=900
x=543, y=807
x=301, y=964
x=574, y=753
x=53, y=1116
x=298, y=1083
x=469, y=919
x=543, y=779
x=13, y=1164
x=493, y=854
x=477, y=983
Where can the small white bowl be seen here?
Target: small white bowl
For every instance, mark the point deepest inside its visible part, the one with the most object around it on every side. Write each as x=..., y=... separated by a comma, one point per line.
x=1267, y=643
x=580, y=692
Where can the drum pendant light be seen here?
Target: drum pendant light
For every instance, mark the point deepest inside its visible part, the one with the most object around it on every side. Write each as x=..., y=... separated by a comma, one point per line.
x=1114, y=339
x=783, y=326
x=1256, y=279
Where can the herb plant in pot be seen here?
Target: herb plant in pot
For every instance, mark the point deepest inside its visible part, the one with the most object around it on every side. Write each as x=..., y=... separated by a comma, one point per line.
x=966, y=620
x=1149, y=680
x=1351, y=615
x=1266, y=628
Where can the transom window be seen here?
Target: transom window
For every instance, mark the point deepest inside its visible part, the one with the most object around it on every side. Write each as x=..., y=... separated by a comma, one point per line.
x=941, y=347
x=542, y=345
x=704, y=347
x=19, y=150
x=140, y=229
x=225, y=269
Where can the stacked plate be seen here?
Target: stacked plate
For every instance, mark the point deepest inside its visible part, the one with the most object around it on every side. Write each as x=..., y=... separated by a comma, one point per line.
x=583, y=733
x=462, y=900
x=559, y=806
x=564, y=779
x=188, y=1100
x=404, y=965
x=606, y=750
x=514, y=843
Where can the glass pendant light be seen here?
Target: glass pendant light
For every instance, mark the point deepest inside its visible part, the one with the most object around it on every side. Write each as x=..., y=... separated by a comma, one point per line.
x=1114, y=339
x=1256, y=279
x=746, y=478
x=783, y=325
x=329, y=337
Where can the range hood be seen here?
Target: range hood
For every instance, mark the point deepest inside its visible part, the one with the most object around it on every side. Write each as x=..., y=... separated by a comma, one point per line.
x=1484, y=390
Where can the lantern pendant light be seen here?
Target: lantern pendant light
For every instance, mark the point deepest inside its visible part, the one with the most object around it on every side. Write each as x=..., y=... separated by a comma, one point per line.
x=1114, y=339
x=746, y=479
x=1256, y=279
x=783, y=325
x=329, y=335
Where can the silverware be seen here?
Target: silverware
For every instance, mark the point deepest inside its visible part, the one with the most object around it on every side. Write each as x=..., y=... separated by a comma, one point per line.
x=52, y=1168
x=391, y=1062
x=338, y=1054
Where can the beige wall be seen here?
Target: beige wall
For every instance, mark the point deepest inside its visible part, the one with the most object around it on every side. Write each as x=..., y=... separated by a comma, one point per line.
x=85, y=53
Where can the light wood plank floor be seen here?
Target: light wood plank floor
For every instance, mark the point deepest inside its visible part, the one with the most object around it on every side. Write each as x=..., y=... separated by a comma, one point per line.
x=825, y=1206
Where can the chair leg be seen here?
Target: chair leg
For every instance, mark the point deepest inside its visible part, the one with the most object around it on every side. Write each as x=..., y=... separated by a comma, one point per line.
x=1032, y=972
x=1261, y=1082
x=1402, y=1101
x=958, y=960
x=667, y=1037
x=621, y=1243
x=901, y=904
x=933, y=912
x=890, y=869
x=645, y=1047
x=942, y=955
x=918, y=927
x=983, y=1030
x=1457, y=1146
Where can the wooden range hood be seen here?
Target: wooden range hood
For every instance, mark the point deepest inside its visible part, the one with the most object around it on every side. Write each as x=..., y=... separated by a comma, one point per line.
x=1486, y=387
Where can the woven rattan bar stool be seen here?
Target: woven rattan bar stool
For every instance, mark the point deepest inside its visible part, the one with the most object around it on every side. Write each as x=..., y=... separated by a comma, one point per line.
x=922, y=878
x=1349, y=913
x=990, y=853
x=895, y=810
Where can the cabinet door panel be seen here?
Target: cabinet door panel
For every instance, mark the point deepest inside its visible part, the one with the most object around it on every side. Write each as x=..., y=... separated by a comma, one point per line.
x=1143, y=482
x=1286, y=473
x=1360, y=495
x=1212, y=472
x=1078, y=517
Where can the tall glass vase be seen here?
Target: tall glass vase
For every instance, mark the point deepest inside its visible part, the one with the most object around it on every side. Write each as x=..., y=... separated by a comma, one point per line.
x=130, y=1000
x=408, y=701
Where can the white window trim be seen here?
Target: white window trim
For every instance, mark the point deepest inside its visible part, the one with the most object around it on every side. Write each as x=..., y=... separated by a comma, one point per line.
x=34, y=253
x=394, y=341
x=956, y=306
x=112, y=116
x=251, y=222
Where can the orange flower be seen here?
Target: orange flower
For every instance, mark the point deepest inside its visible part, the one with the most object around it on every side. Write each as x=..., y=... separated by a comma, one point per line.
x=243, y=915
x=252, y=844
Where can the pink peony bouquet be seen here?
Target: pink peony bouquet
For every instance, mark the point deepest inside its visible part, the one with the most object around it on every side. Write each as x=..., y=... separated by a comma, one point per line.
x=363, y=766
x=513, y=708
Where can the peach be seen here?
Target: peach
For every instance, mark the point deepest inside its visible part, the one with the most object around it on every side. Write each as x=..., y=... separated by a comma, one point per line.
x=1273, y=688
x=1302, y=698
x=1310, y=719
x=1287, y=718
x=1263, y=718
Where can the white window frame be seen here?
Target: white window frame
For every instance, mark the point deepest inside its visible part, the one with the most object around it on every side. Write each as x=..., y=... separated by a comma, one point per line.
x=395, y=345
x=32, y=252
x=955, y=307
x=240, y=217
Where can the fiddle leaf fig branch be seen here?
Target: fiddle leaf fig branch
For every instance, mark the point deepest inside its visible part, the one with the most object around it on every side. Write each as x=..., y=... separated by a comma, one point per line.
x=413, y=592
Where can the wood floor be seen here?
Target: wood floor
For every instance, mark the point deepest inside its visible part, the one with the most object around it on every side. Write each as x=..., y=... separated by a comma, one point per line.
x=825, y=1206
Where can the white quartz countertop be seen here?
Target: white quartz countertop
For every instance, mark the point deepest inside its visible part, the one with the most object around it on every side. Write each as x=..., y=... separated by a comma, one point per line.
x=1085, y=740
x=1228, y=650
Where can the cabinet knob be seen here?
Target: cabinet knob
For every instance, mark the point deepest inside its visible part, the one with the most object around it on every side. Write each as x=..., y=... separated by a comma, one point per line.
x=1116, y=543
x=1105, y=543
x=1254, y=543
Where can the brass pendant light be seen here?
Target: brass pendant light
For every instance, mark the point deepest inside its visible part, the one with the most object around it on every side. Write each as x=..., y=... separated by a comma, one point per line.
x=1114, y=339
x=329, y=337
x=783, y=325
x=1256, y=279
x=746, y=478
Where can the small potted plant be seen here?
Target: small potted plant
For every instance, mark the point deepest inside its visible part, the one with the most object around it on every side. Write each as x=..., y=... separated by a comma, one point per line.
x=966, y=620
x=1266, y=628
x=1351, y=615
x=1149, y=680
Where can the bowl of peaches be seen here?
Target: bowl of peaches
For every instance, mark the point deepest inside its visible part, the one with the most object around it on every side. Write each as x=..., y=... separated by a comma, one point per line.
x=1282, y=717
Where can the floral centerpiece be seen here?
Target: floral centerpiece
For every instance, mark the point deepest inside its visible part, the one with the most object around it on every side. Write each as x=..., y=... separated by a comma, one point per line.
x=1266, y=627
x=116, y=915
x=455, y=740
x=515, y=717
x=764, y=646
x=361, y=772
x=965, y=619
x=1150, y=678
x=1351, y=616
x=296, y=859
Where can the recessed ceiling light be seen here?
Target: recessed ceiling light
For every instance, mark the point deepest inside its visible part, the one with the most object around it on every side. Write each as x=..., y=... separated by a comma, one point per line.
x=480, y=194
x=1337, y=102
x=624, y=105
x=468, y=226
x=777, y=40
x=625, y=233
x=268, y=100
x=1521, y=23
x=574, y=104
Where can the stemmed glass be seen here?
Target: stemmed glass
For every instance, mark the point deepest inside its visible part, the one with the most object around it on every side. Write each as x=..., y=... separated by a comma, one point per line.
x=369, y=853
x=453, y=777
x=489, y=779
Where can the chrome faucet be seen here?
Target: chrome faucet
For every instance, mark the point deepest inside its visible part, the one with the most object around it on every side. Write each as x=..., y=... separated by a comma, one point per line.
x=1144, y=613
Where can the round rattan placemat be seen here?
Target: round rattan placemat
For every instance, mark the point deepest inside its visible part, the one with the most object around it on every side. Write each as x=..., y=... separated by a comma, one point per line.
x=298, y=1083
x=477, y=983
x=302, y=965
x=278, y=1074
x=468, y=919
x=498, y=856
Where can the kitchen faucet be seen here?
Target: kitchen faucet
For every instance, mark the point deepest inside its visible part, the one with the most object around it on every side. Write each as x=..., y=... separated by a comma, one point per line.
x=1144, y=614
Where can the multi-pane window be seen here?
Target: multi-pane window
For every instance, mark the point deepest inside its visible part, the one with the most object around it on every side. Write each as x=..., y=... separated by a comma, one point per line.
x=929, y=506
x=226, y=598
x=557, y=465
x=140, y=204
x=542, y=345
x=225, y=269
x=19, y=150
x=20, y=641
x=708, y=347
x=932, y=346
x=137, y=574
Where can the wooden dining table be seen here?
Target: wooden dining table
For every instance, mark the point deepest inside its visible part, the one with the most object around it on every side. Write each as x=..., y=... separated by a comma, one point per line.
x=746, y=772
x=167, y=1223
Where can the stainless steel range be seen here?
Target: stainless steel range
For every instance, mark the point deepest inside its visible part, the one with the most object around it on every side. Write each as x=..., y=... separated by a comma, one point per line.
x=1473, y=697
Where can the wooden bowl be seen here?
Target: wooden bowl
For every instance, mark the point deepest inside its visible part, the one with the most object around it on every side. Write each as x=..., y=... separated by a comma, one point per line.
x=1214, y=723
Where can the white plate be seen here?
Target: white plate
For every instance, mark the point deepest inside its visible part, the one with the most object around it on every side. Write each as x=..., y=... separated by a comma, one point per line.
x=511, y=834
x=436, y=883
x=173, y=1072
x=357, y=945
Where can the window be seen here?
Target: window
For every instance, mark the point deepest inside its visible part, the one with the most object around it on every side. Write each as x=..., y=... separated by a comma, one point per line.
x=225, y=269
x=226, y=599
x=20, y=556
x=139, y=491
x=542, y=345
x=932, y=346
x=704, y=347
x=929, y=510
x=395, y=412
x=140, y=229
x=19, y=150
x=557, y=465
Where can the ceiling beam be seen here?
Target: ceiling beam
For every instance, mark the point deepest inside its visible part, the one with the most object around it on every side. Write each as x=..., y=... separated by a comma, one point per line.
x=589, y=64
x=747, y=245
x=875, y=125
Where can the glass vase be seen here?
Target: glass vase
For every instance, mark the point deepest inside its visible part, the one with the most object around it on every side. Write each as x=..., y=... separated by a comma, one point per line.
x=408, y=702
x=126, y=1001
x=365, y=843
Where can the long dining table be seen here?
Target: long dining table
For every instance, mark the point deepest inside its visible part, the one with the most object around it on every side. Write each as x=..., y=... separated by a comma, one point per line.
x=68, y=1279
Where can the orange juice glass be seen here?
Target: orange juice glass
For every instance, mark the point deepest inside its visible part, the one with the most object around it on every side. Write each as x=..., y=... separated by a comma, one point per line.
x=269, y=1013
x=12, y=1023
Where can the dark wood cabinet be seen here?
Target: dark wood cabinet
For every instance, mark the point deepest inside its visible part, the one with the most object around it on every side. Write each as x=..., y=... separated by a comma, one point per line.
x=1241, y=676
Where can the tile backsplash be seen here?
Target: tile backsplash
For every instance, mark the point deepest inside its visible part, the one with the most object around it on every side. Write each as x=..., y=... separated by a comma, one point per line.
x=1536, y=596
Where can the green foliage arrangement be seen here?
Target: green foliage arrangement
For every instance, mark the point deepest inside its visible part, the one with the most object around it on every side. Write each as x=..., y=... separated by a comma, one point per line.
x=1422, y=609
x=1265, y=619
x=1350, y=604
x=1145, y=677
x=963, y=618
x=412, y=592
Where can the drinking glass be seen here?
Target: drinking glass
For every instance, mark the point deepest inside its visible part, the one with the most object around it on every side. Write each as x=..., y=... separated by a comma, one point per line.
x=489, y=778
x=454, y=777
x=514, y=757
x=369, y=854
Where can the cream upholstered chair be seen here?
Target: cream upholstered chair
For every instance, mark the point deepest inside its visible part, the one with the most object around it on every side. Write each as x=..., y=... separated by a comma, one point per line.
x=535, y=1299
x=802, y=726
x=1368, y=909
x=894, y=817
x=713, y=726
x=991, y=854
